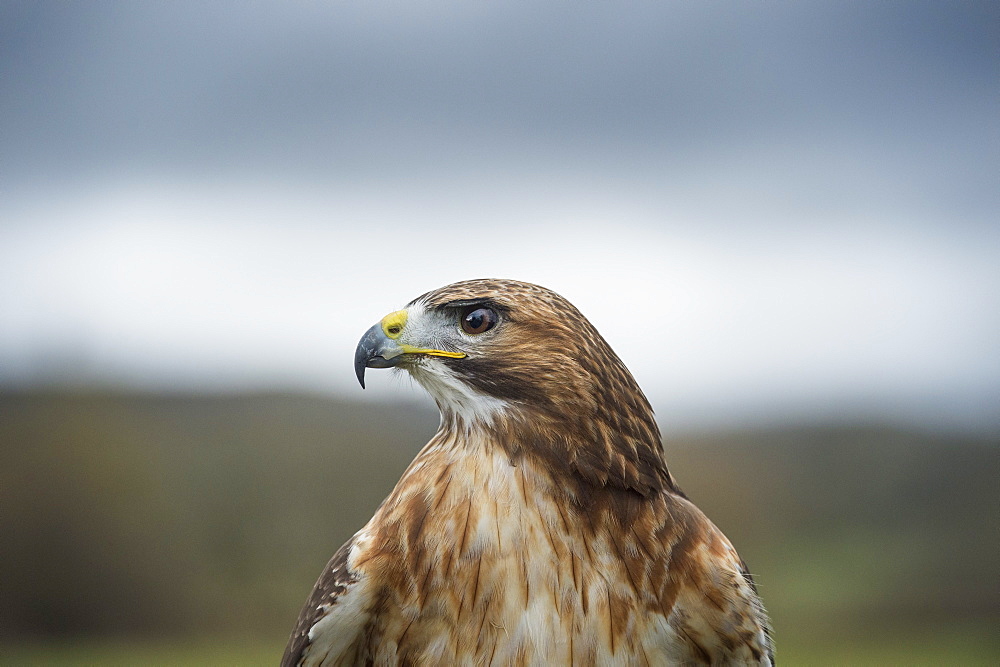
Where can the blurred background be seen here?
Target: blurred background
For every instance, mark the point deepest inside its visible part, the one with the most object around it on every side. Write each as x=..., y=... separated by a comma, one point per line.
x=783, y=216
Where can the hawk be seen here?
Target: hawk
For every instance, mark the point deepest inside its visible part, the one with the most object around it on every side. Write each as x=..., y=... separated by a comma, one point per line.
x=540, y=524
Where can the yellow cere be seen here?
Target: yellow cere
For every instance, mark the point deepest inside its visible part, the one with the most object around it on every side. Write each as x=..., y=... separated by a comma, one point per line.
x=393, y=323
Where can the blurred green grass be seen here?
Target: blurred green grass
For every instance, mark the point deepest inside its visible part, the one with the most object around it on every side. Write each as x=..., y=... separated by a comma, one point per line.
x=145, y=529
x=973, y=644
x=219, y=651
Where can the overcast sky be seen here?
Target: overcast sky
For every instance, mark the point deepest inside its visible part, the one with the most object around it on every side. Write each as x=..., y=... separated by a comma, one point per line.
x=771, y=210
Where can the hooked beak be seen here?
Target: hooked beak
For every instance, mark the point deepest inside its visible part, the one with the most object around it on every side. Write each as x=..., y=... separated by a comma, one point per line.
x=379, y=349
x=375, y=350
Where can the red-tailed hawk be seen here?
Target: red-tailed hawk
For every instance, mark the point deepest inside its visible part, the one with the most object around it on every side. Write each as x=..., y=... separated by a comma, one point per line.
x=540, y=524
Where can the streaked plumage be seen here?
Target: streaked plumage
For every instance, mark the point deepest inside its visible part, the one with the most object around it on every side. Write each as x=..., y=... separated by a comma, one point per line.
x=540, y=524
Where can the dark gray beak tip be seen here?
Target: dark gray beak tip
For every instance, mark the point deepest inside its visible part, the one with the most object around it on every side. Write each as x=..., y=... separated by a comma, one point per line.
x=362, y=355
x=369, y=353
x=361, y=360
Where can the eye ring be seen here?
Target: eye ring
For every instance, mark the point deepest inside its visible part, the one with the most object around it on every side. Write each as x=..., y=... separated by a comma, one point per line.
x=477, y=320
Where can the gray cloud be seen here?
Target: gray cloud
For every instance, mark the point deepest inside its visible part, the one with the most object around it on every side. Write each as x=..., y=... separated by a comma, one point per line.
x=94, y=89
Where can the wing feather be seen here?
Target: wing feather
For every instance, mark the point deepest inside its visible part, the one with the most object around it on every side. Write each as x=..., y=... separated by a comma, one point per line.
x=716, y=608
x=332, y=605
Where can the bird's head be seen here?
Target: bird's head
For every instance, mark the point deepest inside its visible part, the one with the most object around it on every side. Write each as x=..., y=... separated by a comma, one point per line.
x=480, y=346
x=518, y=358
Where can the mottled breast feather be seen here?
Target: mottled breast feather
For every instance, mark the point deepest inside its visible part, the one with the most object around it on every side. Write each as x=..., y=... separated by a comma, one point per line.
x=540, y=524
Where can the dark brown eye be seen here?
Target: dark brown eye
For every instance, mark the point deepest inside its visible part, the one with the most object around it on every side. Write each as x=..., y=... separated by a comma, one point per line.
x=479, y=320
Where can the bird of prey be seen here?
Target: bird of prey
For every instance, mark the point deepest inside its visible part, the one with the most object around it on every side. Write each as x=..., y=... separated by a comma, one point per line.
x=539, y=526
